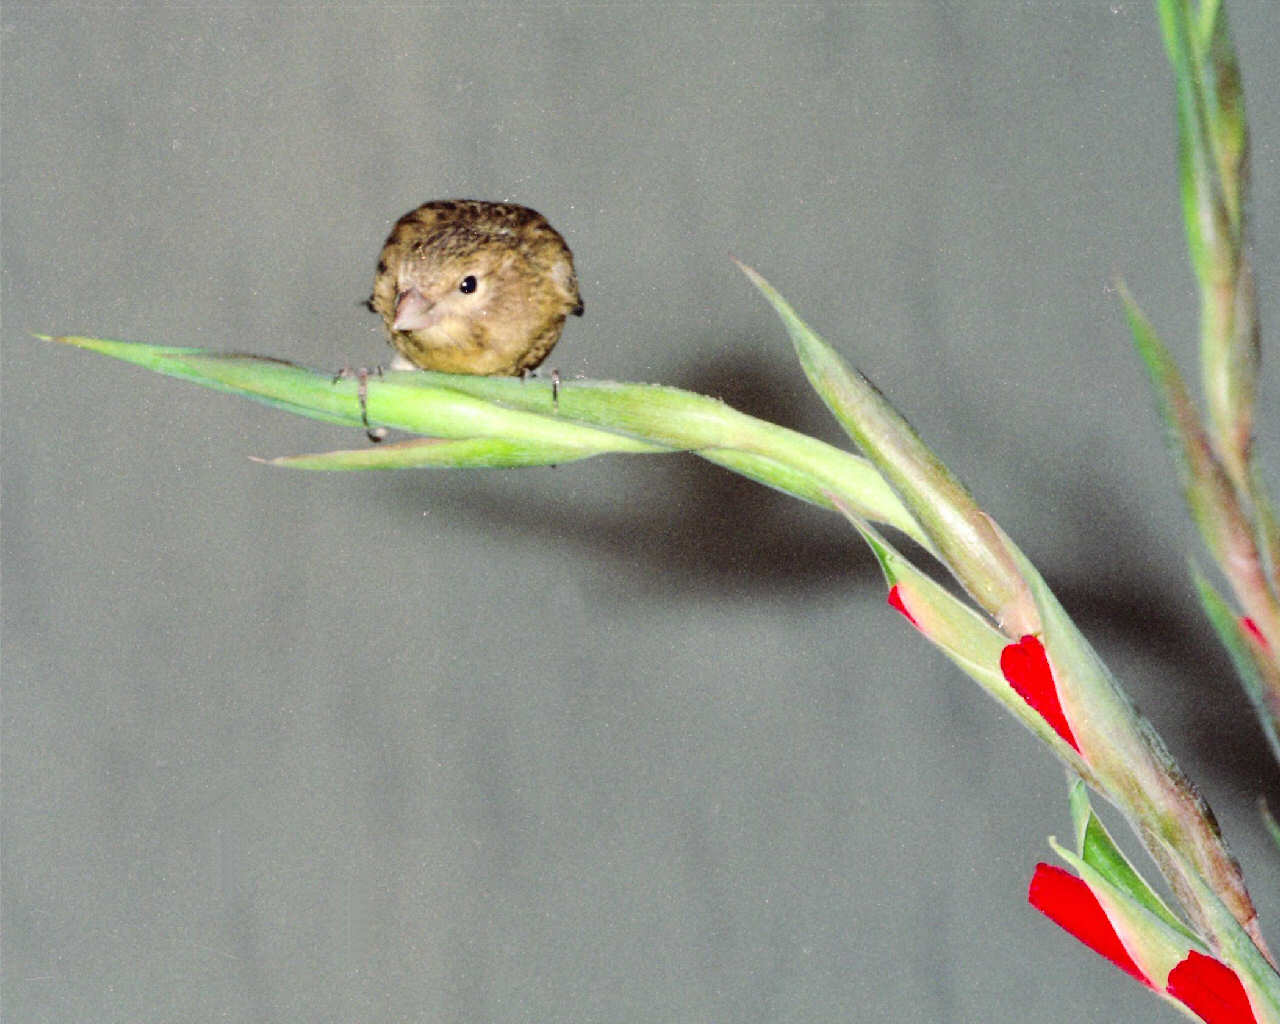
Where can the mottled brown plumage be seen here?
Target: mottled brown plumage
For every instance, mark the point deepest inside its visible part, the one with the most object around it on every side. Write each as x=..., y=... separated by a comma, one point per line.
x=471, y=287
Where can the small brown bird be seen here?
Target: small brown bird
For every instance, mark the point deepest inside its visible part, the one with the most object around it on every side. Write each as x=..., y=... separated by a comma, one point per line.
x=465, y=286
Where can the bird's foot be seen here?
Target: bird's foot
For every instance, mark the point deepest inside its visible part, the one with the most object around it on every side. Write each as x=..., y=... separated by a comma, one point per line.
x=362, y=374
x=555, y=385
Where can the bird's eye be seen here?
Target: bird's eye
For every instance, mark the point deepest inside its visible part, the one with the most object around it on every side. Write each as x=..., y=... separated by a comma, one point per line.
x=468, y=284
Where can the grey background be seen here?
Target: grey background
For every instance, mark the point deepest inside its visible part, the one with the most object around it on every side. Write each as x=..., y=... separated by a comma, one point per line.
x=627, y=740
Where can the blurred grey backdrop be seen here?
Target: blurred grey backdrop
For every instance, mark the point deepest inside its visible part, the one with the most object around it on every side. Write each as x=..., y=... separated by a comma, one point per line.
x=627, y=740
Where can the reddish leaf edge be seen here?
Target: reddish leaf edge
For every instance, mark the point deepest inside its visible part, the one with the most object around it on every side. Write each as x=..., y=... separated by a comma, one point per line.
x=895, y=601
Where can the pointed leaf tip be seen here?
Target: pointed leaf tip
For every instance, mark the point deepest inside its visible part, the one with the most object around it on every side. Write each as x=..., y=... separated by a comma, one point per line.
x=966, y=540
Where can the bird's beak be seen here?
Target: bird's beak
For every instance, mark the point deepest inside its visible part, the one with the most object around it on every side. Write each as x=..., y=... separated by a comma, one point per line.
x=413, y=311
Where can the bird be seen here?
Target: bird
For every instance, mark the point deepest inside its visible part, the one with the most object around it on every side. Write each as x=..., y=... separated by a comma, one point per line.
x=466, y=286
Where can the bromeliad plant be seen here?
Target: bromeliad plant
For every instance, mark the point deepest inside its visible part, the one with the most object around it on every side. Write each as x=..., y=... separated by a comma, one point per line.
x=1011, y=635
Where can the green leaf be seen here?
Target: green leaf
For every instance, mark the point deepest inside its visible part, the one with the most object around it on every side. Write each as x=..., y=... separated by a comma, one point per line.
x=1100, y=852
x=1269, y=820
x=435, y=452
x=1226, y=623
x=1228, y=129
x=1196, y=178
x=788, y=461
x=1208, y=492
x=511, y=422
x=273, y=382
x=962, y=534
x=404, y=401
x=1213, y=167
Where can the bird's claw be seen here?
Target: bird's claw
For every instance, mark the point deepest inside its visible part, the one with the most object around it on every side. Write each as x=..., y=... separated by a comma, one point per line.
x=555, y=385
x=361, y=374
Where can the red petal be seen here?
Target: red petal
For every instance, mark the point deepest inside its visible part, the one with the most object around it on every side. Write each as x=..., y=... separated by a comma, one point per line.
x=1069, y=903
x=1211, y=989
x=895, y=601
x=1025, y=666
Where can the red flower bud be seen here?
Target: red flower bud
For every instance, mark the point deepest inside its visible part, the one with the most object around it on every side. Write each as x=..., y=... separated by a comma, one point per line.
x=1026, y=667
x=1211, y=989
x=1069, y=903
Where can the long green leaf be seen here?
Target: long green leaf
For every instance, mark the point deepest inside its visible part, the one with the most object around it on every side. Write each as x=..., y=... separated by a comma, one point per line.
x=1208, y=492
x=968, y=544
x=511, y=422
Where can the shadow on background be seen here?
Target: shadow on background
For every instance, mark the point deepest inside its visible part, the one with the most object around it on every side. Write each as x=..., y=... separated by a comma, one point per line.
x=682, y=524
x=684, y=527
